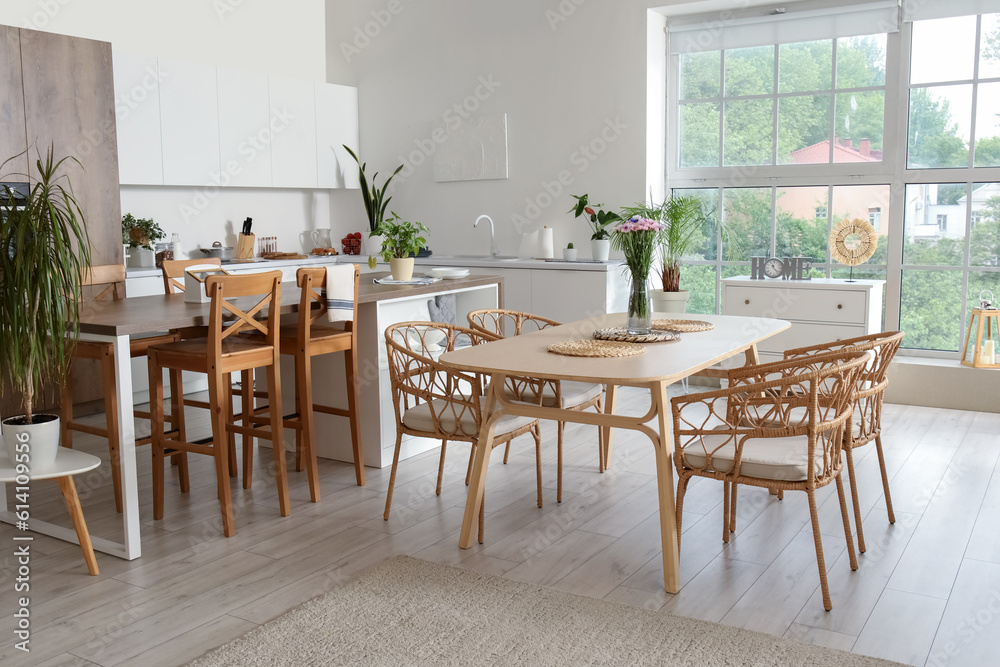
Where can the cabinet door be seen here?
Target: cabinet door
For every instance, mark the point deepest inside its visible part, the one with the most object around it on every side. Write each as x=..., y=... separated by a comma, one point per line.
x=189, y=123
x=293, y=140
x=137, y=112
x=566, y=296
x=12, y=136
x=336, y=125
x=244, y=127
x=69, y=103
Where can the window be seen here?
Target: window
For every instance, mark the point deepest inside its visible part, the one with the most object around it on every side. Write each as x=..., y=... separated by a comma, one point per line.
x=782, y=140
x=875, y=217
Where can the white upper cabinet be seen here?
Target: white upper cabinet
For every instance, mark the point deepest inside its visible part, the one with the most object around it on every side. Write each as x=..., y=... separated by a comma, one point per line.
x=336, y=125
x=293, y=135
x=189, y=124
x=244, y=127
x=137, y=113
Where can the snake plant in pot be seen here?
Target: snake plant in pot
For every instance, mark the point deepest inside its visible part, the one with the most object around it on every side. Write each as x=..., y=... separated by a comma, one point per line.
x=44, y=252
x=376, y=203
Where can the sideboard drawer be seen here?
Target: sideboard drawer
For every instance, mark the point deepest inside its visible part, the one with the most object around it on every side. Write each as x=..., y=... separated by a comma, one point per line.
x=819, y=305
x=802, y=333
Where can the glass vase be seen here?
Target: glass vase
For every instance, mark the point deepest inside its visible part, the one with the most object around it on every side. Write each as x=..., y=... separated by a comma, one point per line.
x=640, y=314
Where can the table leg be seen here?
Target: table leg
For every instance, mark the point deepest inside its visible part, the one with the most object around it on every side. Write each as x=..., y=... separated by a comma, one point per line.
x=665, y=490
x=76, y=513
x=752, y=358
x=477, y=481
x=126, y=448
x=610, y=395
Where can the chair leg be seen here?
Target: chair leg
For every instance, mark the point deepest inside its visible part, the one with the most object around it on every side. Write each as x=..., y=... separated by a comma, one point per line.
x=177, y=413
x=820, y=561
x=682, y=483
x=482, y=520
x=885, y=478
x=278, y=435
x=247, y=408
x=156, y=425
x=472, y=457
x=610, y=398
x=536, y=433
x=392, y=474
x=111, y=419
x=726, y=508
x=306, y=436
x=66, y=413
x=852, y=480
x=230, y=436
x=444, y=447
x=218, y=393
x=559, y=460
x=353, y=407
x=506, y=452
x=847, y=522
x=600, y=439
x=732, y=507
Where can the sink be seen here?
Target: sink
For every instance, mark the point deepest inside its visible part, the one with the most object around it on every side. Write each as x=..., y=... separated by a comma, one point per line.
x=501, y=258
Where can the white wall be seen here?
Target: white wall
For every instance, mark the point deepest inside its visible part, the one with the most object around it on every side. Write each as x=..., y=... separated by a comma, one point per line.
x=285, y=38
x=572, y=83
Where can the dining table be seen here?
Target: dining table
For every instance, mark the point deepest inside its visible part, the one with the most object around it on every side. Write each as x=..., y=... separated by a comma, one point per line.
x=659, y=365
x=118, y=320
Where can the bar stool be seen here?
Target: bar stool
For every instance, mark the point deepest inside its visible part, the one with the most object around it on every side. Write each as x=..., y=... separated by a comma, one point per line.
x=219, y=355
x=109, y=277
x=305, y=337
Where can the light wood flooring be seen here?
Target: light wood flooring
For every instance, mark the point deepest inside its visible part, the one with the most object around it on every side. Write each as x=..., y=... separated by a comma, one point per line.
x=927, y=591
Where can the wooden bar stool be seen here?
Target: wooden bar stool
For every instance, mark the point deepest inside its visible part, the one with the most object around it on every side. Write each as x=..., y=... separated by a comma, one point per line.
x=219, y=355
x=109, y=277
x=307, y=336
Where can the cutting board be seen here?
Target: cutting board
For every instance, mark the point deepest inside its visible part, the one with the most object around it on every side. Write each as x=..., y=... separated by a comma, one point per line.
x=283, y=255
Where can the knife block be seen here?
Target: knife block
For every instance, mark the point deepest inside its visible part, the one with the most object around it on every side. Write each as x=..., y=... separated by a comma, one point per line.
x=244, y=246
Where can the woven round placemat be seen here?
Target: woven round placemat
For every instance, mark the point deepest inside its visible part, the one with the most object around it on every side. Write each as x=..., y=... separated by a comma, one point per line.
x=595, y=348
x=622, y=334
x=683, y=325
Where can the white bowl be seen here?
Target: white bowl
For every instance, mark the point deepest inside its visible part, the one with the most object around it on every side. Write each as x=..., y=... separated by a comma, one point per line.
x=448, y=273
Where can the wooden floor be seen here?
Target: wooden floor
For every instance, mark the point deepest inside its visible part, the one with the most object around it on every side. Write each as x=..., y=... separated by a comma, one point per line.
x=927, y=591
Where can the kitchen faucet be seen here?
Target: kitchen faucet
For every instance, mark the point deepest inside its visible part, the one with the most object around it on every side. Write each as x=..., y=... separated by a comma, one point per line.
x=494, y=251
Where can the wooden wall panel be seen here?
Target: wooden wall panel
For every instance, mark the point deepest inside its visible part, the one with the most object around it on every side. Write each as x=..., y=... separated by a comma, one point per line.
x=12, y=134
x=69, y=102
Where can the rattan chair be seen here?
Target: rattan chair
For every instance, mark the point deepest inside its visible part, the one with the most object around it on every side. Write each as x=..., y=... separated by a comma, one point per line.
x=573, y=396
x=432, y=400
x=749, y=434
x=866, y=420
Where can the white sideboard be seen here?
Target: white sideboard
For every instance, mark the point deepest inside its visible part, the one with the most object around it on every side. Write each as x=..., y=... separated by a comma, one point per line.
x=820, y=310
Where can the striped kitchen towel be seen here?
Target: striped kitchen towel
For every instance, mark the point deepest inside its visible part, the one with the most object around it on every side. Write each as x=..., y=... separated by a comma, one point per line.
x=340, y=292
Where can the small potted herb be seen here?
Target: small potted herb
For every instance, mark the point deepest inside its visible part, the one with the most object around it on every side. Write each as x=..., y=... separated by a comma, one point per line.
x=600, y=221
x=401, y=240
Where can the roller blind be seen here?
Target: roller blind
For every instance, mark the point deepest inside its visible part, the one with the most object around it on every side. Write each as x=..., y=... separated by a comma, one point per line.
x=690, y=35
x=940, y=9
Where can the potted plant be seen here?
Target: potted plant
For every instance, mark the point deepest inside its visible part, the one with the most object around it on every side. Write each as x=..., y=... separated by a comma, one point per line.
x=600, y=221
x=376, y=203
x=683, y=224
x=44, y=251
x=401, y=240
x=569, y=253
x=140, y=234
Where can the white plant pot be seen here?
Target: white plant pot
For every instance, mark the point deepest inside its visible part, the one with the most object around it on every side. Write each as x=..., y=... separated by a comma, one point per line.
x=42, y=438
x=569, y=254
x=140, y=258
x=669, y=302
x=402, y=268
x=600, y=249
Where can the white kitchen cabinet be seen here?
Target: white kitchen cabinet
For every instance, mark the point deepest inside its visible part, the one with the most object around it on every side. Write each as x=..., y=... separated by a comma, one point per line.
x=821, y=310
x=244, y=127
x=137, y=116
x=189, y=123
x=336, y=125
x=293, y=136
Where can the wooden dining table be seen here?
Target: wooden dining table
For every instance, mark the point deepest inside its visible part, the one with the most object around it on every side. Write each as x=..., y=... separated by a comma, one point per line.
x=117, y=321
x=660, y=365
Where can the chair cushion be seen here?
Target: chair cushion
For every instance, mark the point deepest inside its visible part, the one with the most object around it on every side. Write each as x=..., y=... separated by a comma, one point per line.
x=784, y=459
x=571, y=393
x=419, y=418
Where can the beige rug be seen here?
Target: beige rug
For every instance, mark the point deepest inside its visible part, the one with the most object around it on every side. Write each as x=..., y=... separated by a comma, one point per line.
x=411, y=612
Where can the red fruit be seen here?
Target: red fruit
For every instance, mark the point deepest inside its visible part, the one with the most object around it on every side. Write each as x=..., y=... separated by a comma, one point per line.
x=356, y=235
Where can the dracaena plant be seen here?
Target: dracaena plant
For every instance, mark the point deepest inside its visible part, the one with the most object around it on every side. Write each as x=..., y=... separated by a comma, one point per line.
x=376, y=203
x=44, y=251
x=599, y=220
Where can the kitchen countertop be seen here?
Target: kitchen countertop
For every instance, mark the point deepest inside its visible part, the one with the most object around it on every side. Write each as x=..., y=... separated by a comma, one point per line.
x=265, y=264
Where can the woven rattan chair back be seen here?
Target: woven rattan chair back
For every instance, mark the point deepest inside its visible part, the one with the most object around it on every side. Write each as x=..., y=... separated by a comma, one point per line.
x=501, y=322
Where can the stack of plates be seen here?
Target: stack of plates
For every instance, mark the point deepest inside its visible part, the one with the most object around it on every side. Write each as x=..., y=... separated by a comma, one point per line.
x=448, y=273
